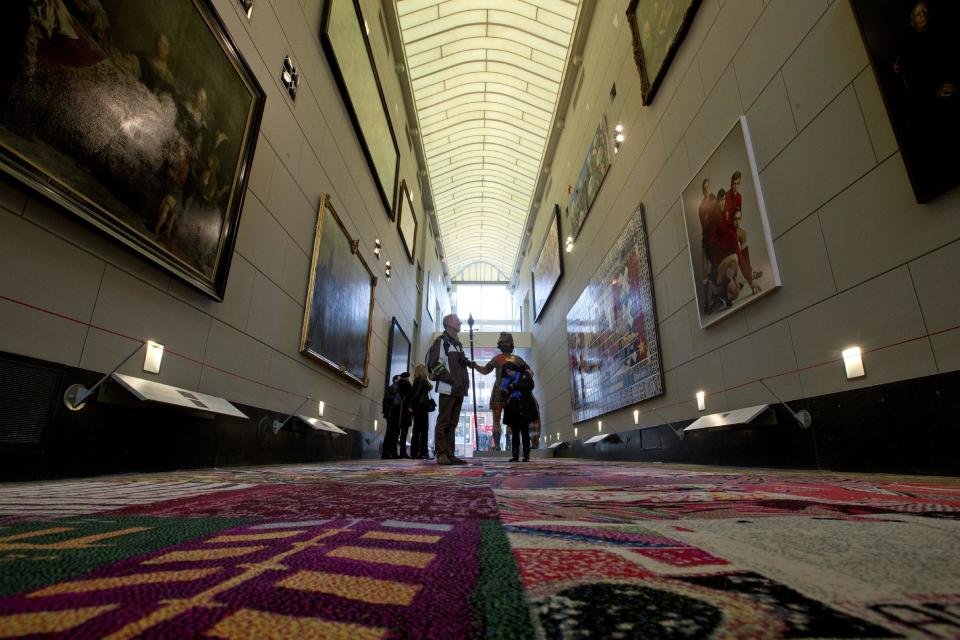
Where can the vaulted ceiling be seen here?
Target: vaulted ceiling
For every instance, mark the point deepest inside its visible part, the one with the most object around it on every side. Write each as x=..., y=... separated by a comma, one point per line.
x=486, y=78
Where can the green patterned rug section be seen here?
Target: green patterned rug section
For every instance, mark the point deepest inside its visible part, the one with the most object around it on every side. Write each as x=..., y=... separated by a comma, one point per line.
x=499, y=601
x=35, y=554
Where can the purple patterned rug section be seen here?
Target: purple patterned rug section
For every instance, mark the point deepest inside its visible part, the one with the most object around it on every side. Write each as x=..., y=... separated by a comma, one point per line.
x=341, y=578
x=335, y=499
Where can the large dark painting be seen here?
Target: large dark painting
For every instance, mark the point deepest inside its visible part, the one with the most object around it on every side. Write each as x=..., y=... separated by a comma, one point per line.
x=728, y=235
x=591, y=176
x=338, y=317
x=348, y=48
x=548, y=268
x=612, y=334
x=916, y=57
x=398, y=352
x=658, y=28
x=140, y=120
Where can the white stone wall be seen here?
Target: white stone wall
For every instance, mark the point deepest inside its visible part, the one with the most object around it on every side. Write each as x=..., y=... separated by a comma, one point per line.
x=861, y=262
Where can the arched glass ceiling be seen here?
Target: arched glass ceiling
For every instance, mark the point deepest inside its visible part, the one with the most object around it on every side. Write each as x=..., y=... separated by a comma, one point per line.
x=486, y=77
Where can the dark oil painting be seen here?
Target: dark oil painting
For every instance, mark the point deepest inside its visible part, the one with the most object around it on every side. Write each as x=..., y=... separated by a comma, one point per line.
x=548, y=267
x=138, y=116
x=338, y=316
x=916, y=58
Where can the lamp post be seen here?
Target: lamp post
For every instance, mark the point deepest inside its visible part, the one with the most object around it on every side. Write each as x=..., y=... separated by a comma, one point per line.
x=473, y=382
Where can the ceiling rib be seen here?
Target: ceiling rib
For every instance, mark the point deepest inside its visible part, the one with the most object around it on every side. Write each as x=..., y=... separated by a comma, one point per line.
x=486, y=77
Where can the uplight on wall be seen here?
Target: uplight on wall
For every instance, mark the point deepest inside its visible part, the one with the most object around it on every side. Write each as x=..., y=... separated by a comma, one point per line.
x=375, y=425
x=321, y=405
x=575, y=432
x=568, y=244
x=701, y=400
x=376, y=248
x=154, y=357
x=636, y=416
x=853, y=362
x=599, y=426
x=387, y=269
x=618, y=138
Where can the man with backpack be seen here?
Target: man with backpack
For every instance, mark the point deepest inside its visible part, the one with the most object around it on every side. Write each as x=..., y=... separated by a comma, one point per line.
x=448, y=367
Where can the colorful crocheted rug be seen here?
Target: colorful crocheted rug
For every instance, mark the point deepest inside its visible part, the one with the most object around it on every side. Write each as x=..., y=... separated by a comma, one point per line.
x=549, y=549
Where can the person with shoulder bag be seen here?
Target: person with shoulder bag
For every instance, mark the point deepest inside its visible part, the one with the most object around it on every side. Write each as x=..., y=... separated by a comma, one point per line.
x=519, y=409
x=421, y=402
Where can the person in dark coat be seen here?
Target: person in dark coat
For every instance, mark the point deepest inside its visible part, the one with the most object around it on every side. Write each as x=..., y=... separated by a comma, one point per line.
x=390, y=436
x=402, y=411
x=520, y=408
x=421, y=412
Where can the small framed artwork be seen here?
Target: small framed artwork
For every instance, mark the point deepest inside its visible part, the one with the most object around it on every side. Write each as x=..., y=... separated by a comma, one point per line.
x=338, y=318
x=728, y=235
x=913, y=50
x=548, y=267
x=407, y=221
x=430, y=297
x=658, y=30
x=140, y=121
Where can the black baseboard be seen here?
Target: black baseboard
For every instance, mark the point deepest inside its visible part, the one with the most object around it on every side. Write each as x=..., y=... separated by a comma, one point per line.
x=900, y=427
x=40, y=438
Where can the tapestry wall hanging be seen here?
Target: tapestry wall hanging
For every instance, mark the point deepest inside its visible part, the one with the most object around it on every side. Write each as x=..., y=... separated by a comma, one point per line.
x=612, y=338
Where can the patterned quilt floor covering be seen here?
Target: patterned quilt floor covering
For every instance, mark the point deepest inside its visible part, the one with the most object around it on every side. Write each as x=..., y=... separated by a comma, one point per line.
x=548, y=549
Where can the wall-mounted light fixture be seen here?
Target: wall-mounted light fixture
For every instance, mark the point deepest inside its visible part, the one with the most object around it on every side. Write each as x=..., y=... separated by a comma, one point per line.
x=701, y=400
x=376, y=248
x=289, y=77
x=321, y=405
x=636, y=416
x=154, y=357
x=569, y=244
x=575, y=432
x=247, y=7
x=853, y=362
x=387, y=269
x=618, y=137
x=76, y=395
x=599, y=426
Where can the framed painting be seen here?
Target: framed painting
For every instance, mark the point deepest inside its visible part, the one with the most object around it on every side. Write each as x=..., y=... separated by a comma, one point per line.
x=407, y=221
x=548, y=267
x=345, y=41
x=658, y=29
x=591, y=177
x=106, y=112
x=728, y=235
x=431, y=297
x=612, y=337
x=338, y=316
x=398, y=352
x=914, y=56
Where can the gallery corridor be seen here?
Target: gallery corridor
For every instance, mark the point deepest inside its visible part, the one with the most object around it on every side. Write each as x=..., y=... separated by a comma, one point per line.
x=553, y=548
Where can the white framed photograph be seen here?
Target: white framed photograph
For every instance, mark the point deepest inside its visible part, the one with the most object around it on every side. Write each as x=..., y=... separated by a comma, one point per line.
x=728, y=234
